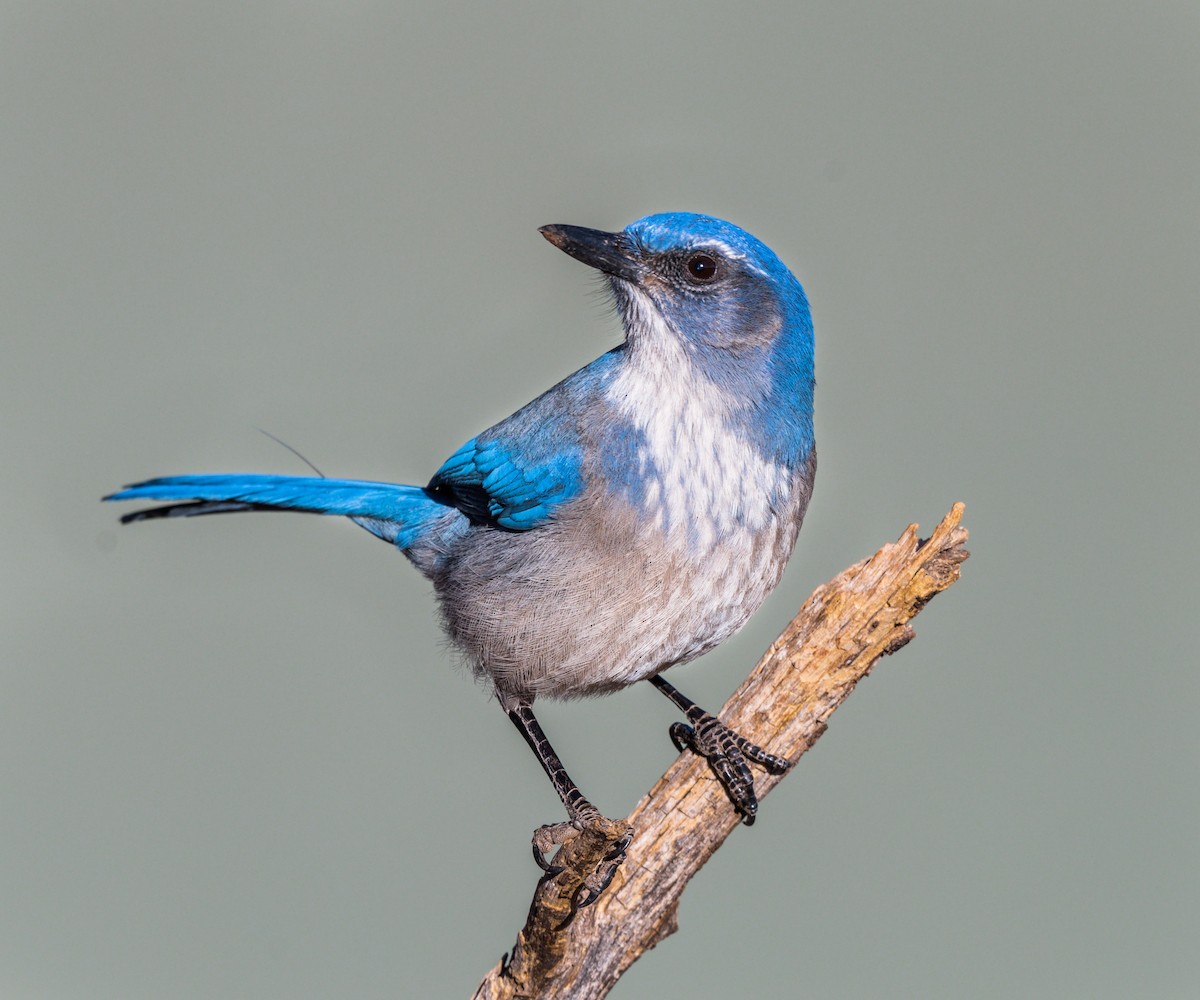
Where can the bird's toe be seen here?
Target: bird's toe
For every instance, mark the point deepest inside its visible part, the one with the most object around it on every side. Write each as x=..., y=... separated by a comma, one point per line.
x=727, y=754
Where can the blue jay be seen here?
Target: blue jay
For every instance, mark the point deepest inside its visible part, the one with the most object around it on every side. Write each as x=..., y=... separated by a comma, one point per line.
x=630, y=518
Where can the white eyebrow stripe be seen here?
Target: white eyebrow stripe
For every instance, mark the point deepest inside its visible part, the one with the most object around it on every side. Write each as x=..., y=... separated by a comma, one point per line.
x=723, y=248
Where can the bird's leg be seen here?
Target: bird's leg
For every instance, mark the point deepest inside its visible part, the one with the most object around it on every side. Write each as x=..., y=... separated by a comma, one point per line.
x=725, y=751
x=583, y=816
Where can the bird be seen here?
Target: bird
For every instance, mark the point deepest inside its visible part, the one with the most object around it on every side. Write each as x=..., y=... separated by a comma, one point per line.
x=629, y=519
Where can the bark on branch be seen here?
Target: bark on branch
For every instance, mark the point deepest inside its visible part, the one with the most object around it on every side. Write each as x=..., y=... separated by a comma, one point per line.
x=839, y=634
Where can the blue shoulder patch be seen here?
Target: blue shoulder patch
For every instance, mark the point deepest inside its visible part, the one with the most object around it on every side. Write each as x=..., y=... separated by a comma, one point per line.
x=517, y=490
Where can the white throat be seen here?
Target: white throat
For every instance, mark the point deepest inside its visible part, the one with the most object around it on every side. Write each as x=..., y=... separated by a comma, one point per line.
x=702, y=479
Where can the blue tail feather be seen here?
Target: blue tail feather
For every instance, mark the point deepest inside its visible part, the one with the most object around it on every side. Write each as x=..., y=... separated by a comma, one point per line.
x=393, y=512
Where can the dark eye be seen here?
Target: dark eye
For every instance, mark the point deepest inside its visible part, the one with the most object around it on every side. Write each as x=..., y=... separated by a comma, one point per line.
x=702, y=267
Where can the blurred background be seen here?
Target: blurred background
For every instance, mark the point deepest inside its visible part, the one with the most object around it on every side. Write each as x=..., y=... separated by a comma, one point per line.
x=236, y=759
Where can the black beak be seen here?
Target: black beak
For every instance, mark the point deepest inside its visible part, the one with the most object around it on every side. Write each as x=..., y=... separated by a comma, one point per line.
x=612, y=253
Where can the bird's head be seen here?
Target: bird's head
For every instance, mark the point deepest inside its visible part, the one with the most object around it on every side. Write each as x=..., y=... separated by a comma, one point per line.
x=713, y=285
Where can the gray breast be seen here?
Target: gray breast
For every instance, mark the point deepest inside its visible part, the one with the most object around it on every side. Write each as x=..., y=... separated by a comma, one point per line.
x=601, y=597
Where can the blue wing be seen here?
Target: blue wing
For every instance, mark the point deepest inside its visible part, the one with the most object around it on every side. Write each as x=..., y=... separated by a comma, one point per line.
x=518, y=473
x=490, y=480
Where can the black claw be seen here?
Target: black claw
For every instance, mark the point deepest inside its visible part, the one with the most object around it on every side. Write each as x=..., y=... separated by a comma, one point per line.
x=683, y=736
x=550, y=869
x=598, y=891
x=570, y=917
x=581, y=899
x=617, y=852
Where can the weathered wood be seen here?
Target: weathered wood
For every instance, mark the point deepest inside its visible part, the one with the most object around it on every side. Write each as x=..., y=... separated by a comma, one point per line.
x=839, y=634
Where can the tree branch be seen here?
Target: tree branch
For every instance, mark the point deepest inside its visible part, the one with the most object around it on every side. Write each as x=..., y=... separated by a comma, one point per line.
x=839, y=634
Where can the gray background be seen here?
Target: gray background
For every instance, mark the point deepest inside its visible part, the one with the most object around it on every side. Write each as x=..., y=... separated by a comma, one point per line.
x=235, y=758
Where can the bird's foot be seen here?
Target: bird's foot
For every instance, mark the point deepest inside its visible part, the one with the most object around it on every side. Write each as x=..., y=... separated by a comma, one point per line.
x=590, y=850
x=727, y=754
